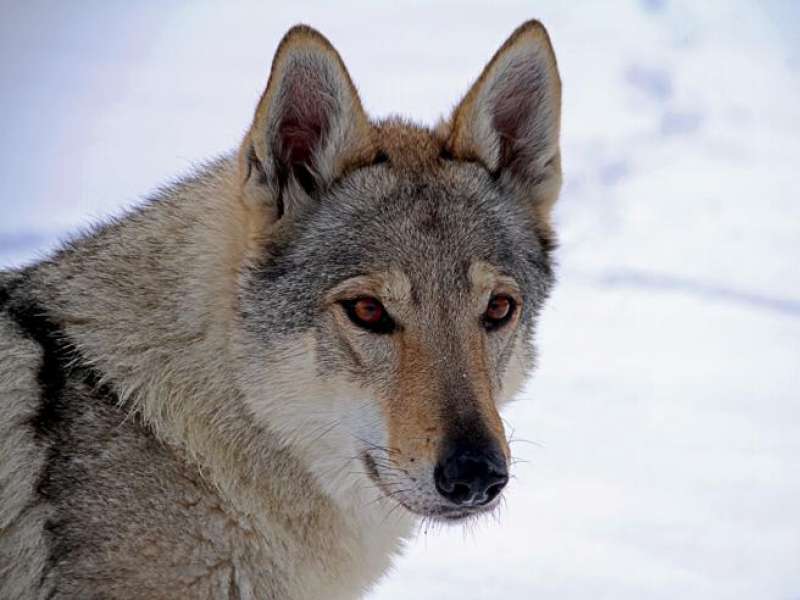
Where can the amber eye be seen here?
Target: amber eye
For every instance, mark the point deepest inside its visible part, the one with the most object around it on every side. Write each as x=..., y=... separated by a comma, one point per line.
x=498, y=311
x=369, y=314
x=368, y=310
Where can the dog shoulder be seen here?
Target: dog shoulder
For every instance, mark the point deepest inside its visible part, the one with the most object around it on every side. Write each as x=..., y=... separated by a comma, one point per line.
x=84, y=486
x=22, y=458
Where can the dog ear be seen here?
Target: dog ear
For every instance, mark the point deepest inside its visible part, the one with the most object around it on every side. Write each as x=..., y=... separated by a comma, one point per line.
x=309, y=126
x=510, y=118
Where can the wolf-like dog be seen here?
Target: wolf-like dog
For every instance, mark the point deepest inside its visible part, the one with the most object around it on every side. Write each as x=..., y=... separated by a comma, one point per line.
x=255, y=384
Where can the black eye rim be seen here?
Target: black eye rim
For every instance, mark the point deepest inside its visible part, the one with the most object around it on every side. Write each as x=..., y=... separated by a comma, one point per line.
x=384, y=326
x=493, y=324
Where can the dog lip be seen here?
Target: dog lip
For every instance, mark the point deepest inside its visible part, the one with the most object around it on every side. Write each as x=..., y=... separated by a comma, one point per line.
x=374, y=475
x=452, y=515
x=455, y=517
x=444, y=513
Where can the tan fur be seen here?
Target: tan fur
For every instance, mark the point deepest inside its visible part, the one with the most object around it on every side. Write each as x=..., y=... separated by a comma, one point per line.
x=408, y=146
x=221, y=459
x=463, y=135
x=352, y=144
x=186, y=397
x=413, y=421
x=468, y=135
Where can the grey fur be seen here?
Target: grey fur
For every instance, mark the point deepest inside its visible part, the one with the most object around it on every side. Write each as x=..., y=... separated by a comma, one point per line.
x=185, y=410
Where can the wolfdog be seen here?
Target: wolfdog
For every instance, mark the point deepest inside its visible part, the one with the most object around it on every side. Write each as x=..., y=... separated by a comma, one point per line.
x=255, y=384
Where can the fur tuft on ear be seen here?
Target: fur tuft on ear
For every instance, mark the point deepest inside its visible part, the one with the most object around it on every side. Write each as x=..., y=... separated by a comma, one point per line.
x=309, y=126
x=510, y=118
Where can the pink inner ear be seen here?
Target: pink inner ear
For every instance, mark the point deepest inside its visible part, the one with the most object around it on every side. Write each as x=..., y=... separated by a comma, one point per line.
x=298, y=139
x=517, y=99
x=303, y=124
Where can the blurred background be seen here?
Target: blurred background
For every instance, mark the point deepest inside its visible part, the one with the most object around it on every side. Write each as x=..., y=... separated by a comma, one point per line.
x=660, y=438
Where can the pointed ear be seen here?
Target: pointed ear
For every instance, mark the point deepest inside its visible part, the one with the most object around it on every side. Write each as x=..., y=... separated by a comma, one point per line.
x=309, y=126
x=510, y=119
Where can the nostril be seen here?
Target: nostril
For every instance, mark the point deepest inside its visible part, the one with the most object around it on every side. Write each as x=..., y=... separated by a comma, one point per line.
x=494, y=490
x=461, y=493
x=471, y=478
x=444, y=485
x=450, y=485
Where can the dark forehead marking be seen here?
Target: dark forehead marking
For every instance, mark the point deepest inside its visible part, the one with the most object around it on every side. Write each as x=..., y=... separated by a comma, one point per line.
x=427, y=216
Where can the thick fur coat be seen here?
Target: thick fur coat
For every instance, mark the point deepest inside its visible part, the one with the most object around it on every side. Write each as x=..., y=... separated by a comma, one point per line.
x=256, y=383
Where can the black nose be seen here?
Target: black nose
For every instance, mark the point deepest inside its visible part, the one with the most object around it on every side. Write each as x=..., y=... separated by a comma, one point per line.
x=471, y=477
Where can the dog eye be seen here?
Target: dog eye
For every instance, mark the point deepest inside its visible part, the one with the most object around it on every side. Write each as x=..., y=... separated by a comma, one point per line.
x=498, y=311
x=368, y=313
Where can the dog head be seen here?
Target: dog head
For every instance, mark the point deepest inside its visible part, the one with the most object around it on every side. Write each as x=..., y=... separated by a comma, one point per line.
x=396, y=272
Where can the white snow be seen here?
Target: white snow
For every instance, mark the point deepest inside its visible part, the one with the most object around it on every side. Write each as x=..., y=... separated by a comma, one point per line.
x=663, y=425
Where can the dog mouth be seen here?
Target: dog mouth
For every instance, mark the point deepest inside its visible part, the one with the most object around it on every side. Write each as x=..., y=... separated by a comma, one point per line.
x=445, y=513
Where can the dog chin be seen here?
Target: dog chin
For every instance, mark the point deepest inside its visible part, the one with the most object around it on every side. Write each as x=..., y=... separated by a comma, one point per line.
x=447, y=513
x=459, y=514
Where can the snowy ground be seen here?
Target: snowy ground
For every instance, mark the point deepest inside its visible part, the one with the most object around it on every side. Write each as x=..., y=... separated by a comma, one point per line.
x=664, y=420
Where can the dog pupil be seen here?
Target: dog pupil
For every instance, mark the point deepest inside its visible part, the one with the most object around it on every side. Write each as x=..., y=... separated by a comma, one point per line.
x=368, y=310
x=498, y=307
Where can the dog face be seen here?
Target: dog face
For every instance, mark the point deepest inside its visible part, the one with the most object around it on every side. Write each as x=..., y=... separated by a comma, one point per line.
x=391, y=296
